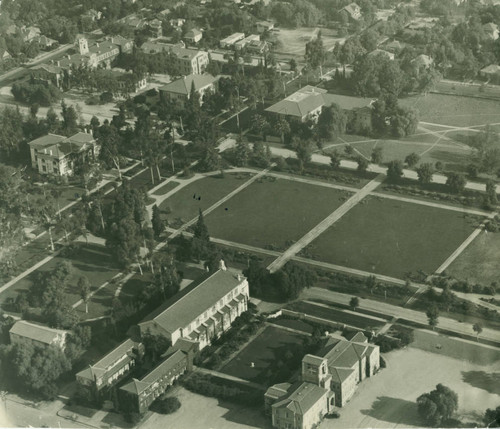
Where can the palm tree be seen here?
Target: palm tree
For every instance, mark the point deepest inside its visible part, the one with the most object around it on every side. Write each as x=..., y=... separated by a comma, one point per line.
x=84, y=287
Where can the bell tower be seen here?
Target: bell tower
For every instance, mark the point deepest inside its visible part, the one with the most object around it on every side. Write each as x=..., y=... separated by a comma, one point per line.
x=83, y=45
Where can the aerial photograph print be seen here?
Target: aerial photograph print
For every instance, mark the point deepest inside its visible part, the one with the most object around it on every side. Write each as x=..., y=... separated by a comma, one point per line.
x=249, y=214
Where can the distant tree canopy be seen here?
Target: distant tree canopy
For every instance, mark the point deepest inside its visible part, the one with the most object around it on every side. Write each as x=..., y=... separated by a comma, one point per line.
x=283, y=285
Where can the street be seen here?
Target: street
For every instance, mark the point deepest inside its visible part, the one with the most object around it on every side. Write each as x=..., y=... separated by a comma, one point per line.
x=399, y=312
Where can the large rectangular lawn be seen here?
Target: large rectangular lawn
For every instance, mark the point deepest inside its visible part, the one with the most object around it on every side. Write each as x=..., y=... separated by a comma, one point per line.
x=392, y=238
x=273, y=213
x=201, y=194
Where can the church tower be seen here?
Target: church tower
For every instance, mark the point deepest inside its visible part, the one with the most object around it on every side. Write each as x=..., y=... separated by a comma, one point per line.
x=83, y=44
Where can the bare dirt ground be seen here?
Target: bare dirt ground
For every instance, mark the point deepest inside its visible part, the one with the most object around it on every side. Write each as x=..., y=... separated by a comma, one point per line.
x=388, y=398
x=200, y=412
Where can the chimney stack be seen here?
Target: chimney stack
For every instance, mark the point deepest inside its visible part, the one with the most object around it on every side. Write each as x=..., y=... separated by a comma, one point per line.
x=222, y=265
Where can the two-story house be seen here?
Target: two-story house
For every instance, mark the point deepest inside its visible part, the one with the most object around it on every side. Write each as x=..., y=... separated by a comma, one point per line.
x=179, y=91
x=202, y=311
x=58, y=155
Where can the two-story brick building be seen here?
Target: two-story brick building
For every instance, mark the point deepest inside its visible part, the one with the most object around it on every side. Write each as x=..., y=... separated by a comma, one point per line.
x=94, y=383
x=202, y=311
x=137, y=395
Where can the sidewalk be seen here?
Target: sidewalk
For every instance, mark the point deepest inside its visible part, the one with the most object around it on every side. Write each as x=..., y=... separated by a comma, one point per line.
x=375, y=168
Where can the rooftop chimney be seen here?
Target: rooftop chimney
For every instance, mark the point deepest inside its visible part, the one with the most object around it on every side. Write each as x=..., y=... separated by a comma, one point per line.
x=222, y=265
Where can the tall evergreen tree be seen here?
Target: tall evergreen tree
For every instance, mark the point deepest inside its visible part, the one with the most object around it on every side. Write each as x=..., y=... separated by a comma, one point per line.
x=200, y=229
x=157, y=221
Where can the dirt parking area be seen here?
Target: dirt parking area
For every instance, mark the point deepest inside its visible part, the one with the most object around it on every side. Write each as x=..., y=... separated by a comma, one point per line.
x=200, y=412
x=388, y=399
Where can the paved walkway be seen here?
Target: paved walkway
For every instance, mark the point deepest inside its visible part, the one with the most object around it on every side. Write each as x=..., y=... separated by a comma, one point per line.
x=465, y=210
x=325, y=224
x=462, y=247
x=375, y=168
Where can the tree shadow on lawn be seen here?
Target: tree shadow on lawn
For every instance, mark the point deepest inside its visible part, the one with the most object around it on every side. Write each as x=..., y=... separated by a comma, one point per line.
x=248, y=416
x=483, y=380
x=394, y=410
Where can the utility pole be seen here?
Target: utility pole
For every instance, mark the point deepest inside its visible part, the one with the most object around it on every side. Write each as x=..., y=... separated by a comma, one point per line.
x=50, y=236
x=172, y=149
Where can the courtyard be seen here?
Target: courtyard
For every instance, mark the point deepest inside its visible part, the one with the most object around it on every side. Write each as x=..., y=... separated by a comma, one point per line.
x=266, y=352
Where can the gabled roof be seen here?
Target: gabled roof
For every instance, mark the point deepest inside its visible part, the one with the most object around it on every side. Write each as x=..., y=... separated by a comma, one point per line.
x=36, y=332
x=352, y=9
x=491, y=69
x=302, y=399
x=46, y=141
x=358, y=337
x=108, y=362
x=186, y=53
x=490, y=27
x=340, y=374
x=183, y=85
x=193, y=33
x=278, y=390
x=346, y=102
x=314, y=360
x=61, y=145
x=300, y=103
x=196, y=299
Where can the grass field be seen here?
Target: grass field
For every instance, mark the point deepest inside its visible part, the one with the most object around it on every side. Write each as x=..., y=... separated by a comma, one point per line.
x=452, y=156
x=92, y=261
x=273, y=212
x=294, y=40
x=298, y=325
x=455, y=348
x=479, y=262
x=166, y=188
x=454, y=110
x=392, y=238
x=335, y=315
x=201, y=194
x=269, y=347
